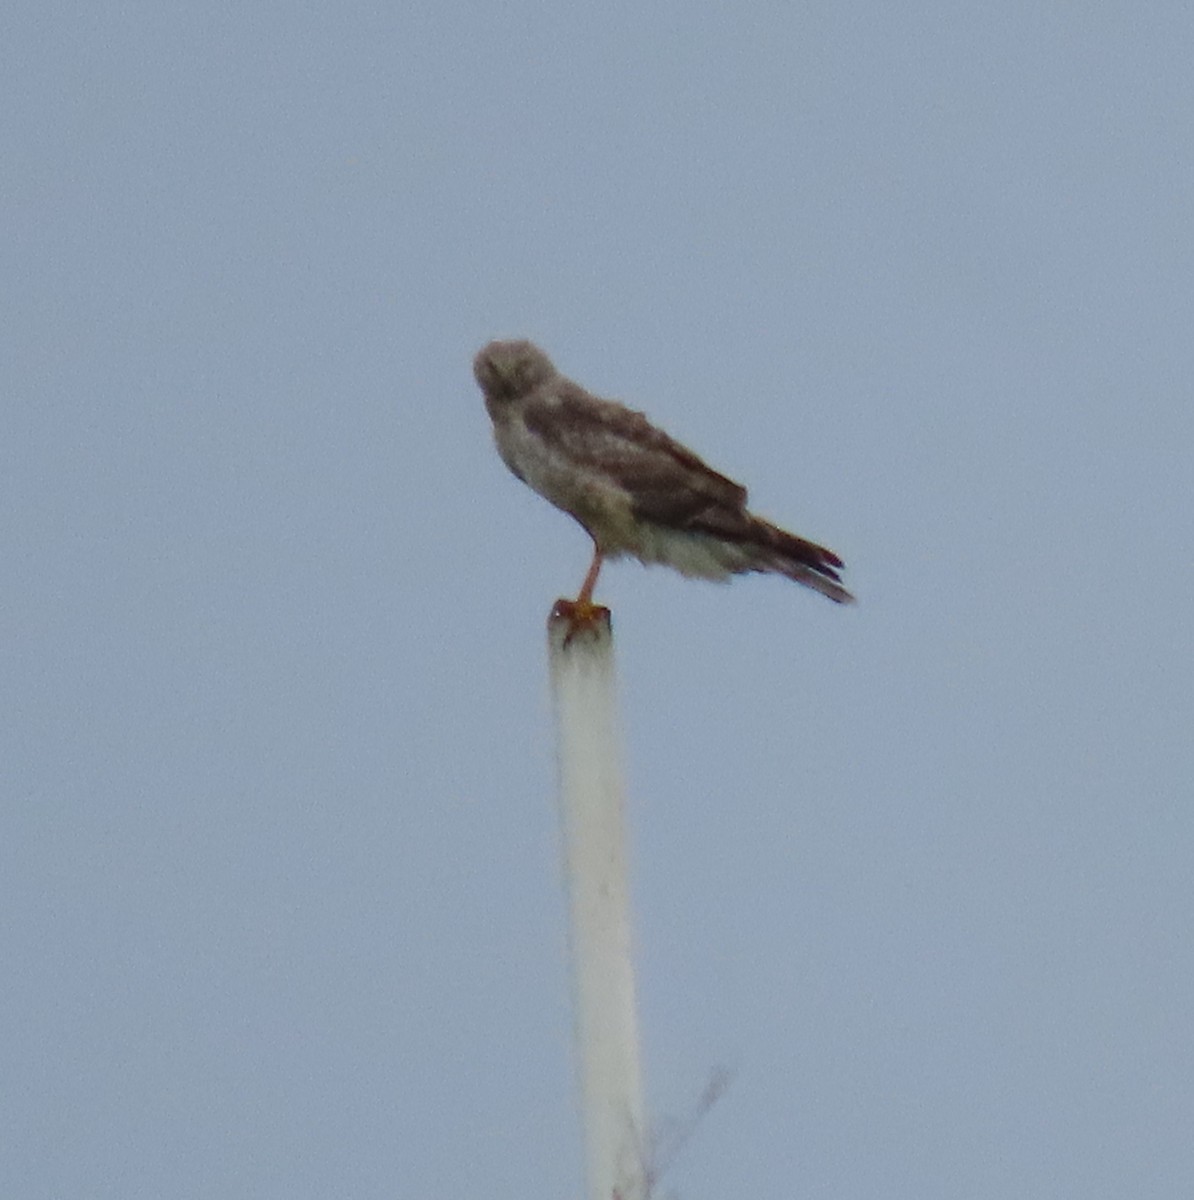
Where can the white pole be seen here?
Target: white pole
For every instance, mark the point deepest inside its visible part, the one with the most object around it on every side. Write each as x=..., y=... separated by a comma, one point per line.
x=596, y=877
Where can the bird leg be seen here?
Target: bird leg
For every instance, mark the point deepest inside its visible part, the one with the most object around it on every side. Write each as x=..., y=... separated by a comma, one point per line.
x=585, y=600
x=582, y=613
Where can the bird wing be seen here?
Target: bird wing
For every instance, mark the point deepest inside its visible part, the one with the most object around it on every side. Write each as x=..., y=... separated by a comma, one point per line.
x=670, y=486
x=666, y=482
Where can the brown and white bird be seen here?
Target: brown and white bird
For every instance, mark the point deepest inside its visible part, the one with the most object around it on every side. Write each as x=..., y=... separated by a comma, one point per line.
x=635, y=490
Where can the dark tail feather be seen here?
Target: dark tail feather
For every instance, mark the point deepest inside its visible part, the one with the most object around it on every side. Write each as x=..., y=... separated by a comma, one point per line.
x=805, y=562
x=774, y=549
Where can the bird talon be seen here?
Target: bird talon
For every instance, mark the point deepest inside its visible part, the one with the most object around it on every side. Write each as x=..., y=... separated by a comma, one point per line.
x=583, y=616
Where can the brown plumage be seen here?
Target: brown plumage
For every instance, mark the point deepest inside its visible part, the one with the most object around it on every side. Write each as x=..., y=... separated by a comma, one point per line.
x=635, y=490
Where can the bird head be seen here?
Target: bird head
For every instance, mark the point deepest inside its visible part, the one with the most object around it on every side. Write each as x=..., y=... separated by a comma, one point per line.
x=508, y=371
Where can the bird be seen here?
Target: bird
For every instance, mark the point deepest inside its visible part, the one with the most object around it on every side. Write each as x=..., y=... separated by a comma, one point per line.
x=636, y=491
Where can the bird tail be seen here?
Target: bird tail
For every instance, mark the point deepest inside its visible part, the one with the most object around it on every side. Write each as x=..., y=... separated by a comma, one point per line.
x=803, y=561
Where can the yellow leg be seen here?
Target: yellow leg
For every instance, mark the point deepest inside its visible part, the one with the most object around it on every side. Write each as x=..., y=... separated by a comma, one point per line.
x=582, y=613
x=585, y=599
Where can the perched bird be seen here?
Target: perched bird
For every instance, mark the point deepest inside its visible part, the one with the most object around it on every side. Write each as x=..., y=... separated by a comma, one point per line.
x=635, y=490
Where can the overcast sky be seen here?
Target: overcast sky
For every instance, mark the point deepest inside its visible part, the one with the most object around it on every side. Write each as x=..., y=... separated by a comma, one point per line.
x=280, y=903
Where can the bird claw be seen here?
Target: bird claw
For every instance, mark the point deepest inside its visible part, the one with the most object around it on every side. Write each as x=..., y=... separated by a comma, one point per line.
x=583, y=616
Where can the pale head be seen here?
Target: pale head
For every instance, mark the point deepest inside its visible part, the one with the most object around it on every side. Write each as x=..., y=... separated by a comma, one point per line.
x=511, y=370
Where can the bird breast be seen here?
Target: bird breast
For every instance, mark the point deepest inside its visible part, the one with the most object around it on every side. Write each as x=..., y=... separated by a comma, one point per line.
x=590, y=496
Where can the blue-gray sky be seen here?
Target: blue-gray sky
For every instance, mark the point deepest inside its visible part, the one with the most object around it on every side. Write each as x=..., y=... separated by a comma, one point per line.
x=279, y=899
